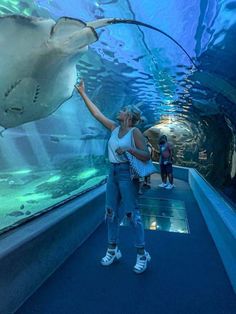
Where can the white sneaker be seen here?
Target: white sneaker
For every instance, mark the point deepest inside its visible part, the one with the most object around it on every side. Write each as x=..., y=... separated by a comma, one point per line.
x=162, y=185
x=111, y=256
x=141, y=262
x=169, y=186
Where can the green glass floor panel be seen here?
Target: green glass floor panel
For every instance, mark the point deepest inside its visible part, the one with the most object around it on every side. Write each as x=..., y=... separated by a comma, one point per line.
x=157, y=223
x=163, y=212
x=165, y=224
x=162, y=203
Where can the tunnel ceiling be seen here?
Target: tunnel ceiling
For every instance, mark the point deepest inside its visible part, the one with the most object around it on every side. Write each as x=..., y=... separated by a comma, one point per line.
x=131, y=64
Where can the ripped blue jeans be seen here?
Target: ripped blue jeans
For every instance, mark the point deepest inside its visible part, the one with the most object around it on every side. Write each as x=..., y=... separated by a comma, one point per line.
x=121, y=201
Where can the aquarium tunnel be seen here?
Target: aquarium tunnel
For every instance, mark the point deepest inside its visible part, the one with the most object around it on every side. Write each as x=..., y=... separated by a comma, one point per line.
x=175, y=61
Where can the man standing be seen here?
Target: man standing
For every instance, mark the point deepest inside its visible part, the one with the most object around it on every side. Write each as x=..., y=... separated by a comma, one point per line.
x=166, y=159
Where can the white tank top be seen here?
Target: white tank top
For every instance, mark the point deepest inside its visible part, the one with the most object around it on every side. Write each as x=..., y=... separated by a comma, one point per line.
x=115, y=142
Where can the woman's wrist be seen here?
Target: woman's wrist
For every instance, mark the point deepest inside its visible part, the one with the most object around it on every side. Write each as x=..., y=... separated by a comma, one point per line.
x=82, y=93
x=130, y=150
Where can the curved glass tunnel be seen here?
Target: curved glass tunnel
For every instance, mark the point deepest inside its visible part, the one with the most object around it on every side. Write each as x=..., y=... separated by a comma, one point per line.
x=55, y=156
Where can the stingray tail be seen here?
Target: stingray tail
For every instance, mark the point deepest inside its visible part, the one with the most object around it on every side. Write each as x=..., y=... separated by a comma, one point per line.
x=103, y=22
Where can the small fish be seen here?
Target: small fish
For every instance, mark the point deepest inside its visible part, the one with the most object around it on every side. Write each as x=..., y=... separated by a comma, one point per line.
x=54, y=139
x=16, y=213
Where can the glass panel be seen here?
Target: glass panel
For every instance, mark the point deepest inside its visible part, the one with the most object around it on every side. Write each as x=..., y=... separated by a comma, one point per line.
x=52, y=148
x=165, y=224
x=26, y=192
x=162, y=214
x=162, y=203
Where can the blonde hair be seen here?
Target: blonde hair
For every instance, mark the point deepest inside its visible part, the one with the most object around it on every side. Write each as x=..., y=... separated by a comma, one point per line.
x=135, y=114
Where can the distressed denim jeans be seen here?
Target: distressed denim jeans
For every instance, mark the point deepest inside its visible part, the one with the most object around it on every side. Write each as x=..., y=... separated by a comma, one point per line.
x=121, y=201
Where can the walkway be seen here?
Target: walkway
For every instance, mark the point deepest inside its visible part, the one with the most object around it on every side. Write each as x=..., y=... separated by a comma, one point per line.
x=186, y=275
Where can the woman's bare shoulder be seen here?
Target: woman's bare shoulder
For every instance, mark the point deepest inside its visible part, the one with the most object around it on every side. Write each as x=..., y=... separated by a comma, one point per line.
x=137, y=131
x=114, y=126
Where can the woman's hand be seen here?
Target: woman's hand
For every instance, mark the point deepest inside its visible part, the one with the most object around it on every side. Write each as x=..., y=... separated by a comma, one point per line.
x=80, y=87
x=120, y=151
x=111, y=125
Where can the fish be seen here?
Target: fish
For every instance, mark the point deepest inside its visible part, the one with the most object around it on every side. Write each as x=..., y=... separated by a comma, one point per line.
x=92, y=132
x=54, y=139
x=38, y=60
x=93, y=136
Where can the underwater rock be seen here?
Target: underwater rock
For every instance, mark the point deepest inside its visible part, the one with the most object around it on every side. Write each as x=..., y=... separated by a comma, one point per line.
x=91, y=182
x=4, y=178
x=24, y=179
x=74, y=175
x=16, y=182
x=11, y=182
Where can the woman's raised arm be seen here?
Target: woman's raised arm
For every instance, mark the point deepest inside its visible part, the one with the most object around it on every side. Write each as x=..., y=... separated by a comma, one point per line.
x=98, y=115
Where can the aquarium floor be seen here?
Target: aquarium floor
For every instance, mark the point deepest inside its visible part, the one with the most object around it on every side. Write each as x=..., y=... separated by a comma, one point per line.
x=186, y=275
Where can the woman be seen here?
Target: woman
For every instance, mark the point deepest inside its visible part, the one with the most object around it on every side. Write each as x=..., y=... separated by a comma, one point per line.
x=122, y=191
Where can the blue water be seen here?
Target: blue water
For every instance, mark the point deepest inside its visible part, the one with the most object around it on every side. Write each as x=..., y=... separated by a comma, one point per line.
x=131, y=64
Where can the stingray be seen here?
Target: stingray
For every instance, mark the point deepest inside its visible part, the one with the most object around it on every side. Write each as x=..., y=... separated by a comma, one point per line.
x=38, y=63
x=217, y=84
x=207, y=106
